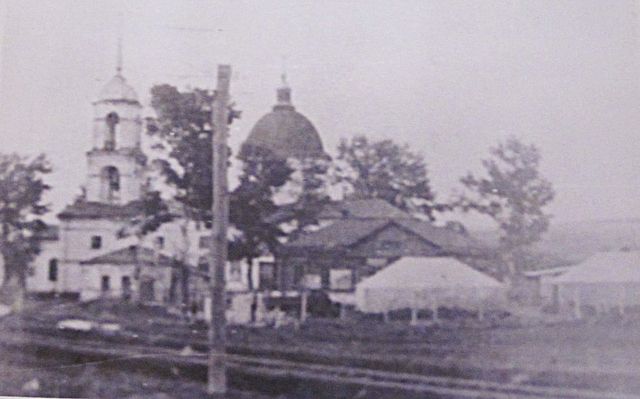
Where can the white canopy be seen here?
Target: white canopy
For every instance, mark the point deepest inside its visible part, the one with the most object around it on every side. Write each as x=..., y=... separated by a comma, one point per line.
x=604, y=267
x=607, y=279
x=422, y=282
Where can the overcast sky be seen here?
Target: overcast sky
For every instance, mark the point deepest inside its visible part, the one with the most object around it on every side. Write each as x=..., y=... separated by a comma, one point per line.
x=449, y=77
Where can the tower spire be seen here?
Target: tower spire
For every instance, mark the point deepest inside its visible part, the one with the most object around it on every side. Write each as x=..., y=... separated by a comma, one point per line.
x=284, y=91
x=119, y=54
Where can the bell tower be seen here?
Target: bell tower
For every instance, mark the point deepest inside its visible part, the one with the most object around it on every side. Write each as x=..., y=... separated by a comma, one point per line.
x=115, y=161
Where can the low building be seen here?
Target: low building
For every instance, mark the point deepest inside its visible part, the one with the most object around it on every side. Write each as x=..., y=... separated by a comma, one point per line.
x=338, y=256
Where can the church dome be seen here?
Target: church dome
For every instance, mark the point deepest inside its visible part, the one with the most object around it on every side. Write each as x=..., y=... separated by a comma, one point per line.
x=117, y=89
x=284, y=133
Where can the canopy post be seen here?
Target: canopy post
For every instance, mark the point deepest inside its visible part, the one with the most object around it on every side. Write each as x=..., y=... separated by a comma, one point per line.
x=414, y=316
x=576, y=303
x=434, y=309
x=622, y=300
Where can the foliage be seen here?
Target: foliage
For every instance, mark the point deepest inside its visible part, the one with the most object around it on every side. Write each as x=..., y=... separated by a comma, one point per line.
x=383, y=169
x=251, y=206
x=21, y=191
x=513, y=193
x=184, y=130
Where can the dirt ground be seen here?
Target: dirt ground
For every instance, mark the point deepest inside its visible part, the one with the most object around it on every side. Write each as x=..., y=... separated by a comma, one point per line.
x=599, y=354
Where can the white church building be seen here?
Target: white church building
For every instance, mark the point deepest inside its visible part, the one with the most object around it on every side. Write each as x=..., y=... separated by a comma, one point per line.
x=84, y=257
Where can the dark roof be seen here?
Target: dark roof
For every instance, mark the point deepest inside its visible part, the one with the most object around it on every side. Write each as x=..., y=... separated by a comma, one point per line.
x=373, y=208
x=49, y=233
x=284, y=133
x=96, y=210
x=342, y=233
x=347, y=232
x=441, y=236
x=347, y=209
x=130, y=256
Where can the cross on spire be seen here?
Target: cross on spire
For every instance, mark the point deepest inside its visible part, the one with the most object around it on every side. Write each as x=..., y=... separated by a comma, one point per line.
x=119, y=53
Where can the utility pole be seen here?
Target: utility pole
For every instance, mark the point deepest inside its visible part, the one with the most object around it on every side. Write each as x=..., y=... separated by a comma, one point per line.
x=217, y=380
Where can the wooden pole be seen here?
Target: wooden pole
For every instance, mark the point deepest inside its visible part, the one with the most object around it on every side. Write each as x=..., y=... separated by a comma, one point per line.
x=216, y=378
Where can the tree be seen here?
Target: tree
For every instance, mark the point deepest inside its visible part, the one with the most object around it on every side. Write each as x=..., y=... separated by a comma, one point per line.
x=21, y=191
x=251, y=208
x=514, y=195
x=184, y=133
x=383, y=169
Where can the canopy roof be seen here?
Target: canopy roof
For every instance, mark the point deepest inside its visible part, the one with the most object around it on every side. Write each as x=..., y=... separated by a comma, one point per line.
x=440, y=272
x=604, y=267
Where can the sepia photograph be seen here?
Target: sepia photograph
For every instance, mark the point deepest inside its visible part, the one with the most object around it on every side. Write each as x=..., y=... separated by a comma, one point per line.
x=339, y=199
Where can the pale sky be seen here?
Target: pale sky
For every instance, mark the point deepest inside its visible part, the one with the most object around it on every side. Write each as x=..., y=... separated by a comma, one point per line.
x=450, y=78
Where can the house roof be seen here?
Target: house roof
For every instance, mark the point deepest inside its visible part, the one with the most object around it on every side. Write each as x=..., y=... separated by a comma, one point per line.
x=131, y=255
x=96, y=210
x=342, y=233
x=604, y=267
x=347, y=232
x=373, y=208
x=348, y=209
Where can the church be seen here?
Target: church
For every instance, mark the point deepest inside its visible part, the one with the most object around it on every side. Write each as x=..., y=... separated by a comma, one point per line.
x=84, y=257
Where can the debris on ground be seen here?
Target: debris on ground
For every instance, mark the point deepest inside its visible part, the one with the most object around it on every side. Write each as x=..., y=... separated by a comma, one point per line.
x=75, y=324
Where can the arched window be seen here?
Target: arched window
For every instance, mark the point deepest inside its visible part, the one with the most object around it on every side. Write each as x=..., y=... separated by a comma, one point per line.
x=110, y=138
x=110, y=183
x=53, y=269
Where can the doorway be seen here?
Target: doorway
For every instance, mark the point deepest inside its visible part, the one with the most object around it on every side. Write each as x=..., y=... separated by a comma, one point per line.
x=147, y=293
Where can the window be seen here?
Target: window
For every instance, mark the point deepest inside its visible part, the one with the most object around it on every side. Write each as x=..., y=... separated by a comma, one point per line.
x=203, y=264
x=204, y=242
x=341, y=279
x=110, y=183
x=389, y=245
x=96, y=242
x=160, y=242
x=53, y=269
x=235, y=271
x=267, y=275
x=110, y=139
x=105, y=284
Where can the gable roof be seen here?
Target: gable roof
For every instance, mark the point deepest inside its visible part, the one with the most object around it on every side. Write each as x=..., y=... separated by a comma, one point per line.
x=342, y=233
x=131, y=255
x=373, y=208
x=345, y=233
x=96, y=210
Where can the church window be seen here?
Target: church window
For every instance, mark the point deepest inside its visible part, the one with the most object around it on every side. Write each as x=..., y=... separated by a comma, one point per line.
x=53, y=269
x=110, y=139
x=105, y=284
x=110, y=183
x=96, y=242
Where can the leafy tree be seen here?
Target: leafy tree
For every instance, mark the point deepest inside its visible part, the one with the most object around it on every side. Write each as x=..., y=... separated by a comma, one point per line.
x=383, y=169
x=184, y=132
x=21, y=191
x=514, y=195
x=251, y=208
